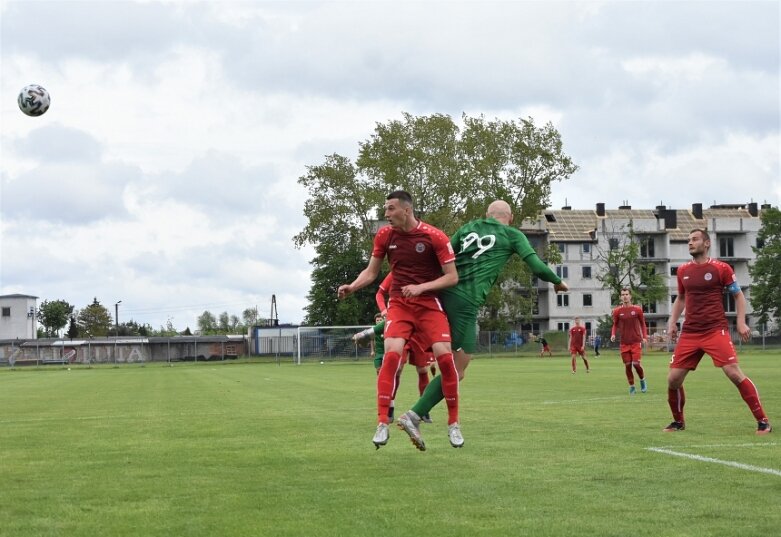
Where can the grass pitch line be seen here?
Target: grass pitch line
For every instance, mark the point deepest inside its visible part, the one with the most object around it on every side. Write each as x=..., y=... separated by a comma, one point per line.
x=733, y=464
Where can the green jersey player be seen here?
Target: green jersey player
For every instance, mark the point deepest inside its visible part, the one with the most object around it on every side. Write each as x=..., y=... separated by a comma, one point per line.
x=482, y=248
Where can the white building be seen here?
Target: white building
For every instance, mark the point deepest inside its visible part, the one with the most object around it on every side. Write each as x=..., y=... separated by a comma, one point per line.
x=663, y=234
x=17, y=317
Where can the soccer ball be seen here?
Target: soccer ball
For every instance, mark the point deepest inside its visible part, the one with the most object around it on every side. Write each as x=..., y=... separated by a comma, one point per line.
x=34, y=100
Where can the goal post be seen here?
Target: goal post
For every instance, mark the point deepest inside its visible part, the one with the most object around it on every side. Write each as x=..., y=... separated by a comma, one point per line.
x=331, y=343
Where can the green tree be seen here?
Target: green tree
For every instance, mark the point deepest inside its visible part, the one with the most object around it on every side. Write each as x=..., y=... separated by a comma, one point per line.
x=766, y=269
x=73, y=328
x=451, y=172
x=54, y=315
x=207, y=323
x=622, y=266
x=94, y=320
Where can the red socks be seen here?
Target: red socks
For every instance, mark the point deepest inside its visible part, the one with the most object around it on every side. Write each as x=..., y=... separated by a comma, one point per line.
x=676, y=399
x=422, y=381
x=386, y=384
x=750, y=395
x=447, y=369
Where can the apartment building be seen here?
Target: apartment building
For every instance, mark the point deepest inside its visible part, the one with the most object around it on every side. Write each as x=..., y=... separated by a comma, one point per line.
x=582, y=237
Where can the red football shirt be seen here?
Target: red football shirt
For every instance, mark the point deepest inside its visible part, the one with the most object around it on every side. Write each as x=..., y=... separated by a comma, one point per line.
x=415, y=256
x=577, y=335
x=702, y=286
x=630, y=322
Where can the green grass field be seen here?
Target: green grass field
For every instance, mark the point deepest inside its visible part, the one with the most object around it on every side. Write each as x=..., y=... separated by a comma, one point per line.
x=282, y=450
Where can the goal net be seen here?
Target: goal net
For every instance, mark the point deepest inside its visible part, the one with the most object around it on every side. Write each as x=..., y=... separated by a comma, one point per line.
x=330, y=343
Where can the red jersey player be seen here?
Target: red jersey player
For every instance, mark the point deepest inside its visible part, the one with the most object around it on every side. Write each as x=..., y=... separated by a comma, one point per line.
x=577, y=345
x=423, y=360
x=701, y=283
x=629, y=321
x=422, y=262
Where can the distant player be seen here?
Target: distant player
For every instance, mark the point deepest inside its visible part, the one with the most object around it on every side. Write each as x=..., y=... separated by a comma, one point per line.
x=545, y=347
x=577, y=345
x=701, y=284
x=628, y=320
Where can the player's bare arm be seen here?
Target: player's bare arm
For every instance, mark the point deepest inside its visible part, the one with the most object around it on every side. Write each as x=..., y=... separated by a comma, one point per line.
x=740, y=309
x=675, y=314
x=367, y=276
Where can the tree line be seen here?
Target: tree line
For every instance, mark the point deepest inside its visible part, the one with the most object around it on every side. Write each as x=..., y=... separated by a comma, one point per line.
x=57, y=317
x=453, y=172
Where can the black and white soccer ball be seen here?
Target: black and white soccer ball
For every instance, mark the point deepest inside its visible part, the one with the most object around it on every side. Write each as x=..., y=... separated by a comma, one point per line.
x=34, y=100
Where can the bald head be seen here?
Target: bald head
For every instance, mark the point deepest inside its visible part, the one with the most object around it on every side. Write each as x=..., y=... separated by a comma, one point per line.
x=500, y=210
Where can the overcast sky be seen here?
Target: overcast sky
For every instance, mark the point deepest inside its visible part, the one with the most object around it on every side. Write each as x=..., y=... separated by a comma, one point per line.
x=165, y=173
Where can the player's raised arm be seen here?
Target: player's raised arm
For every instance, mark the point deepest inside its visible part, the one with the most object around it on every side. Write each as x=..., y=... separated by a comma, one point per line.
x=367, y=276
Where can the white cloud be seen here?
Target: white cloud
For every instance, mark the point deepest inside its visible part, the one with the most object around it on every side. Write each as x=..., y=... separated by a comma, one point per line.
x=165, y=172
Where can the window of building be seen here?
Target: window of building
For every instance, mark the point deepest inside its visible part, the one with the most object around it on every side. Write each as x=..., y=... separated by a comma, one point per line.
x=562, y=271
x=760, y=243
x=613, y=243
x=726, y=247
x=7, y=312
x=672, y=298
x=649, y=308
x=586, y=248
x=563, y=327
x=562, y=300
x=647, y=247
x=673, y=271
x=587, y=300
x=562, y=247
x=587, y=326
x=586, y=272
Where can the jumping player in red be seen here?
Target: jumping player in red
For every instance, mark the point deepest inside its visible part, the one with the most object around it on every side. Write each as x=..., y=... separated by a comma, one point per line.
x=629, y=321
x=422, y=359
x=577, y=345
x=422, y=262
x=701, y=283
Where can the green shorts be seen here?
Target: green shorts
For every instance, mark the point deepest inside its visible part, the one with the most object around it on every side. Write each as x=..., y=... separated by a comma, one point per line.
x=378, y=360
x=462, y=316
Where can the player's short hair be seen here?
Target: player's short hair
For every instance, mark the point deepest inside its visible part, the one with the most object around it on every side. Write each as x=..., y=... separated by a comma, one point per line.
x=627, y=289
x=704, y=233
x=401, y=195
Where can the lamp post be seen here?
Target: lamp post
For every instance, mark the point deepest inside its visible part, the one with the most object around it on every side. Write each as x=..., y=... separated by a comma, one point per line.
x=116, y=316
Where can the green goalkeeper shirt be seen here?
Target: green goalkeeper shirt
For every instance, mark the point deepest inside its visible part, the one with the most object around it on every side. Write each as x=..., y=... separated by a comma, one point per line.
x=482, y=249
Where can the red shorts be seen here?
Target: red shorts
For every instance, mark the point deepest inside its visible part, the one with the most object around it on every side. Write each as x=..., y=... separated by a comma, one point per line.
x=423, y=315
x=631, y=353
x=415, y=353
x=691, y=347
x=545, y=348
x=573, y=351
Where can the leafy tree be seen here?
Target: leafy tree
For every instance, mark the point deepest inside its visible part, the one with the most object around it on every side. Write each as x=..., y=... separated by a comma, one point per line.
x=766, y=269
x=621, y=266
x=451, y=172
x=187, y=332
x=207, y=323
x=250, y=316
x=94, y=320
x=73, y=328
x=54, y=315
